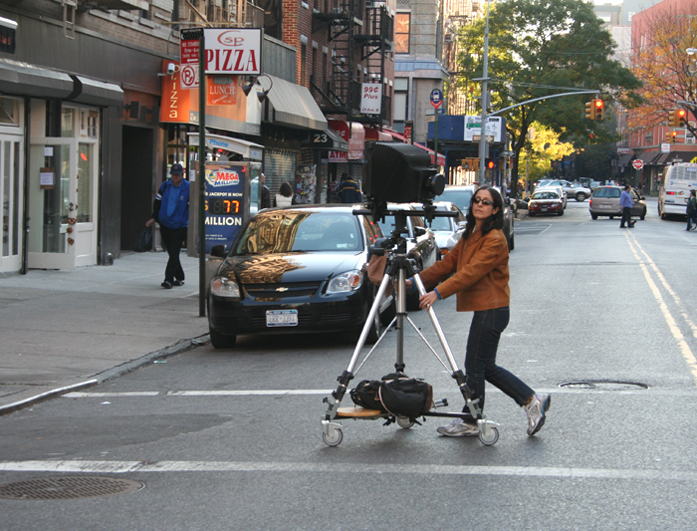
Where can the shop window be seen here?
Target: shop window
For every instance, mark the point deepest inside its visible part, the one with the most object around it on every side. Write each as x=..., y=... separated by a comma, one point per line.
x=401, y=32
x=9, y=114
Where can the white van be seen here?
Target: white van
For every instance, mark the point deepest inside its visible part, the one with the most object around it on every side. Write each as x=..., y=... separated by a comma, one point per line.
x=674, y=190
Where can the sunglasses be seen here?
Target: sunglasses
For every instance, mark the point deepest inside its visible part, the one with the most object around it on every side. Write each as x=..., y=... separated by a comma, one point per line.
x=485, y=202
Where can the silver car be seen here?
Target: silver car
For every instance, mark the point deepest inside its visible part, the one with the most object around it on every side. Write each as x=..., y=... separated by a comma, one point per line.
x=448, y=230
x=605, y=201
x=461, y=195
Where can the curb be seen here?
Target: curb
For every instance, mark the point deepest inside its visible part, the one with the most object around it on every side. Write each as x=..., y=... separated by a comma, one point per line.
x=179, y=347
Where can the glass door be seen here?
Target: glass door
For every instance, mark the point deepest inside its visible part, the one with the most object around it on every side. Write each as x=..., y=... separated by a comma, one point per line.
x=11, y=198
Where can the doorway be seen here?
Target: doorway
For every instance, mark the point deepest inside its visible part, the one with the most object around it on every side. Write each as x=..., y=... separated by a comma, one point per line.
x=136, y=183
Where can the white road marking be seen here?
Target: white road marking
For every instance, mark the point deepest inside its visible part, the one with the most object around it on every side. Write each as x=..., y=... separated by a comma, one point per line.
x=332, y=467
x=687, y=353
x=104, y=395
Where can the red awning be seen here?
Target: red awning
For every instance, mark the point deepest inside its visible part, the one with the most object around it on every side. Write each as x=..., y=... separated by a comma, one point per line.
x=376, y=134
x=400, y=138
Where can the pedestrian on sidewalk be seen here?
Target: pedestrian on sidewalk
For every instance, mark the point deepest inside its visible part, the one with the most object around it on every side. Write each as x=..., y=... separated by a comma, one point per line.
x=626, y=204
x=171, y=210
x=691, y=210
x=476, y=271
x=265, y=192
x=349, y=191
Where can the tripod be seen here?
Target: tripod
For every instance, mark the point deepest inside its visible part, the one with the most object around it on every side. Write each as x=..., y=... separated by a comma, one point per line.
x=400, y=267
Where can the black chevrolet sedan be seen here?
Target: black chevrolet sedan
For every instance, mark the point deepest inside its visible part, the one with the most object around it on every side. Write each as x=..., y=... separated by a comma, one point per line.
x=298, y=269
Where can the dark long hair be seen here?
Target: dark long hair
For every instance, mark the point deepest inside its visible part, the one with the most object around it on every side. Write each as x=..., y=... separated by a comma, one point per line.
x=495, y=221
x=286, y=189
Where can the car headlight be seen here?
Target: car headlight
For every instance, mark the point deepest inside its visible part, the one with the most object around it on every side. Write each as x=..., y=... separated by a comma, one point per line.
x=224, y=287
x=349, y=281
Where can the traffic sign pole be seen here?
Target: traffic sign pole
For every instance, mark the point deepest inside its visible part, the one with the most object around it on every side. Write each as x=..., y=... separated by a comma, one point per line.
x=202, y=175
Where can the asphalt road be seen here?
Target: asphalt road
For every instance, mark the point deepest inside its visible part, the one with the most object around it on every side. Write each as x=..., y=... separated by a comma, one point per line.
x=602, y=318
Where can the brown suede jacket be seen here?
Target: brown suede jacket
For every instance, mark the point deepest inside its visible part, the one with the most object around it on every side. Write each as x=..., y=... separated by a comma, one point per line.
x=479, y=269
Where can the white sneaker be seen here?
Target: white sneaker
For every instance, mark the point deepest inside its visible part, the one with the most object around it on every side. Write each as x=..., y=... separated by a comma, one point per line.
x=459, y=428
x=536, y=410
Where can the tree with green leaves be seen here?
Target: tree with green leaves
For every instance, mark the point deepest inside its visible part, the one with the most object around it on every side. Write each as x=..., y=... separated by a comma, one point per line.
x=540, y=48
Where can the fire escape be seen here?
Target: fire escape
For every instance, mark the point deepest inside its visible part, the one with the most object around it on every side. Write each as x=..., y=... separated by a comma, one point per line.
x=359, y=37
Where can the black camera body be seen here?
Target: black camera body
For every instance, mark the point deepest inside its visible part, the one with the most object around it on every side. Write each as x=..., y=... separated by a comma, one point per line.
x=400, y=173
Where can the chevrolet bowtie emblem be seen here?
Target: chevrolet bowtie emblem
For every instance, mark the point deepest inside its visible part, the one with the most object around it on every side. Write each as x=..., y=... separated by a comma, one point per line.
x=281, y=289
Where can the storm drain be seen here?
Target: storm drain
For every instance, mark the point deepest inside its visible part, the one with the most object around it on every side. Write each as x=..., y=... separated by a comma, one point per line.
x=67, y=488
x=605, y=385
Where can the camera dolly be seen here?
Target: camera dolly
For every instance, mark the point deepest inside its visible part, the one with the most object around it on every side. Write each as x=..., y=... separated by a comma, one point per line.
x=400, y=267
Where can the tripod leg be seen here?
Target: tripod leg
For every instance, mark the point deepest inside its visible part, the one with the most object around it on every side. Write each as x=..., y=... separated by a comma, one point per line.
x=456, y=373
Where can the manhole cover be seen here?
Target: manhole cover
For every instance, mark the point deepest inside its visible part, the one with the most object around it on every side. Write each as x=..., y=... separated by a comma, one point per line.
x=606, y=385
x=67, y=488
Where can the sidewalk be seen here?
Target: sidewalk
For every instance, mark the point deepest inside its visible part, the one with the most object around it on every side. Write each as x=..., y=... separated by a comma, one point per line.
x=73, y=328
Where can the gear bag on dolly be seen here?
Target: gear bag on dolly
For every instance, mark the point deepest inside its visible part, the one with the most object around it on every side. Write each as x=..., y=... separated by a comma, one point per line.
x=395, y=394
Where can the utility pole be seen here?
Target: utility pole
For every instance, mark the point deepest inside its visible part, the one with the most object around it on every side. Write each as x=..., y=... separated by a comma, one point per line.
x=485, y=79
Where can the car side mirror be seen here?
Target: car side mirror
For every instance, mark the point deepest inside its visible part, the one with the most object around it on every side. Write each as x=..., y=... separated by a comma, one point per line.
x=218, y=251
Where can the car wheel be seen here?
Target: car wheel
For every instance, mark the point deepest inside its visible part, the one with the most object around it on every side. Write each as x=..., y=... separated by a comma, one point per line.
x=219, y=340
x=511, y=242
x=561, y=212
x=612, y=217
x=594, y=216
x=580, y=197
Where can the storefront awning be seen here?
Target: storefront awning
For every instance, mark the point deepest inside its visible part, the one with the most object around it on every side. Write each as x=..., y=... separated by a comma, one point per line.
x=32, y=81
x=248, y=150
x=683, y=156
x=93, y=92
x=624, y=160
x=328, y=139
x=376, y=134
x=293, y=106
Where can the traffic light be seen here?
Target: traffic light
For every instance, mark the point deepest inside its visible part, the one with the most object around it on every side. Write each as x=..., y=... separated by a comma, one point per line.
x=598, y=105
x=590, y=110
x=490, y=164
x=679, y=118
x=671, y=136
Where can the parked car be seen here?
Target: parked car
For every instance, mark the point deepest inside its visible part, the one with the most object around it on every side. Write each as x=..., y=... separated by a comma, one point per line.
x=297, y=269
x=605, y=201
x=575, y=190
x=555, y=188
x=545, y=202
x=461, y=195
x=448, y=230
x=421, y=243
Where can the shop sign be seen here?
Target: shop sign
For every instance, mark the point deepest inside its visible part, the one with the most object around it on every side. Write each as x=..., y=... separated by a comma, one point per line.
x=225, y=199
x=371, y=98
x=222, y=90
x=233, y=51
x=337, y=156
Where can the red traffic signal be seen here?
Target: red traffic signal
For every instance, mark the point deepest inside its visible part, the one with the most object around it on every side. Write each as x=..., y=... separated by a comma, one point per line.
x=598, y=105
x=681, y=116
x=490, y=164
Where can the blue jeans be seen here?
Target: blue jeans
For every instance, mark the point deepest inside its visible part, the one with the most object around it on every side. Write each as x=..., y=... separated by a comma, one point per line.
x=480, y=361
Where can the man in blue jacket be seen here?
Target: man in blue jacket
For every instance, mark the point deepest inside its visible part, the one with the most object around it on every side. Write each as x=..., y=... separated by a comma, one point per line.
x=171, y=211
x=626, y=204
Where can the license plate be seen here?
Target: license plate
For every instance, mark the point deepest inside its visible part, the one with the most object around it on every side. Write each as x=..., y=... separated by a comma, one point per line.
x=282, y=318
x=544, y=208
x=605, y=206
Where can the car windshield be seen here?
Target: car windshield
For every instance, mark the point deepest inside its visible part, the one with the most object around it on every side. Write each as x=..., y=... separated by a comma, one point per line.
x=283, y=231
x=607, y=192
x=388, y=225
x=462, y=198
x=545, y=195
x=442, y=223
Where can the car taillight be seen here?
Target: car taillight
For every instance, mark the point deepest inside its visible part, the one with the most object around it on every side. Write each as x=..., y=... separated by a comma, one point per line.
x=590, y=202
x=670, y=193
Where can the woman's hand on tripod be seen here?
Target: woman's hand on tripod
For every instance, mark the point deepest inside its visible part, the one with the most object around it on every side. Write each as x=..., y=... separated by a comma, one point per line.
x=426, y=301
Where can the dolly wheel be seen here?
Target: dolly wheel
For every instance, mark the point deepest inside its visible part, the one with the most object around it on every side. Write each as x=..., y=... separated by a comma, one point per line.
x=405, y=422
x=491, y=438
x=334, y=437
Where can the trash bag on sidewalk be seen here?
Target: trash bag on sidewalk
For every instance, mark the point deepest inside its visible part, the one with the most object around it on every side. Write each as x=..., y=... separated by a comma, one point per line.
x=143, y=243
